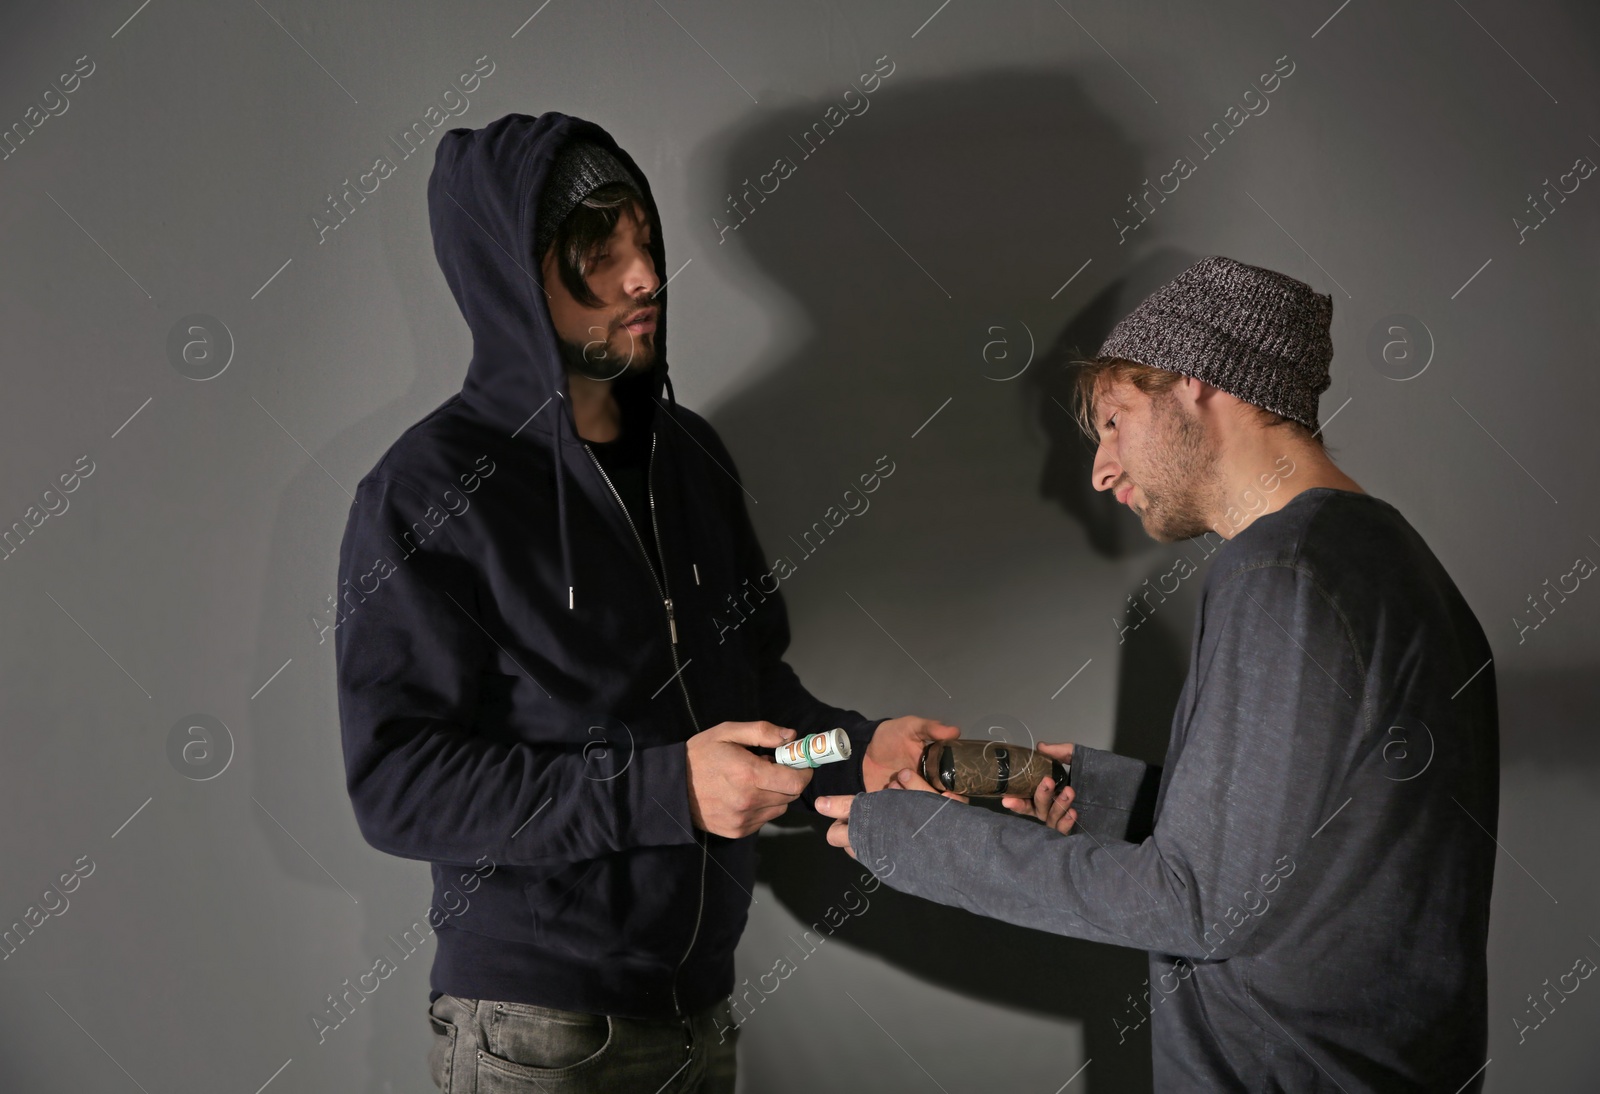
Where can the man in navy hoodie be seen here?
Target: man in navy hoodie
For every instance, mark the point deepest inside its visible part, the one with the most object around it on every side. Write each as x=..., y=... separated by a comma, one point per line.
x=535, y=693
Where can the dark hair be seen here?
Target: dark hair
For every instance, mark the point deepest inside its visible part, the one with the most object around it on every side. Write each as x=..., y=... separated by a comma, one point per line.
x=585, y=230
x=1095, y=374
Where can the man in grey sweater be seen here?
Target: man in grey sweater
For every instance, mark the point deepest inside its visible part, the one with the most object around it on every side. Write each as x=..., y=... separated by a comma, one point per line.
x=1310, y=868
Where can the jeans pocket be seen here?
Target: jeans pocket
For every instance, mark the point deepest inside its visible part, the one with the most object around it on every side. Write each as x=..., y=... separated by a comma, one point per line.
x=525, y=1041
x=442, y=1049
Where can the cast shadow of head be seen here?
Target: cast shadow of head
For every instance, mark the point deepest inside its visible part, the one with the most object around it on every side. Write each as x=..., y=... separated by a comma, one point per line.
x=902, y=240
x=1153, y=648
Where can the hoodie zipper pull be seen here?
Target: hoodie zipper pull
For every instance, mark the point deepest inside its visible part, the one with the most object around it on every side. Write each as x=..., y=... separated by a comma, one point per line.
x=671, y=624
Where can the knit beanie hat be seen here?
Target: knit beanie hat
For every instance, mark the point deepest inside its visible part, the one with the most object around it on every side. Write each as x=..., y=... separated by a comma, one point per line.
x=1259, y=335
x=580, y=168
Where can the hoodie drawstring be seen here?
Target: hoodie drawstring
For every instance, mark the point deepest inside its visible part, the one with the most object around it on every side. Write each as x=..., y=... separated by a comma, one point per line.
x=561, y=487
x=670, y=407
x=561, y=503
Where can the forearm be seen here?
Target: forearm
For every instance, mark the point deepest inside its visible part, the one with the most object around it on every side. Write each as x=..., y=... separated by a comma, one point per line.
x=1022, y=872
x=440, y=793
x=1268, y=744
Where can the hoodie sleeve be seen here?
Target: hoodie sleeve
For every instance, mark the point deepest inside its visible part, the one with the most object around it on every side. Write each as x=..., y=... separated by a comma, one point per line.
x=784, y=699
x=1267, y=750
x=424, y=783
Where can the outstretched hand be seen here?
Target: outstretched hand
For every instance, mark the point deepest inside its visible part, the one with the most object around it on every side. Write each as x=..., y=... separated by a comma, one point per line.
x=898, y=744
x=1050, y=803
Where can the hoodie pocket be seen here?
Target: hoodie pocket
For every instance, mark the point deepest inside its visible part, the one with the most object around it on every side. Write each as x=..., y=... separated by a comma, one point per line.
x=550, y=897
x=638, y=904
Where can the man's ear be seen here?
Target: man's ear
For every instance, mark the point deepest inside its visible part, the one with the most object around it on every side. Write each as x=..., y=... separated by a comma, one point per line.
x=1198, y=394
x=1187, y=391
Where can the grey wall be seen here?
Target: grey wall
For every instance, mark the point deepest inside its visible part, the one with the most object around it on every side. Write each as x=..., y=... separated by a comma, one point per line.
x=910, y=265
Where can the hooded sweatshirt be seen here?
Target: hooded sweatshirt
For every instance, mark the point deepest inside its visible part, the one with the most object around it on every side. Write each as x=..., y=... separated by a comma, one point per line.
x=516, y=682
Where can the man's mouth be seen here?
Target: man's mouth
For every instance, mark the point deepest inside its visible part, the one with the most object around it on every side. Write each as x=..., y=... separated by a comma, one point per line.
x=1124, y=494
x=641, y=322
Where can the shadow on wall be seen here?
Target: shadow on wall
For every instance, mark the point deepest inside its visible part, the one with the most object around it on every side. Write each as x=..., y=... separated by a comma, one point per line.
x=904, y=238
x=1112, y=528
x=1155, y=646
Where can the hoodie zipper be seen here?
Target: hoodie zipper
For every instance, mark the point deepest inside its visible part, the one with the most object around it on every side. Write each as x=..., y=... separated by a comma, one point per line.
x=664, y=590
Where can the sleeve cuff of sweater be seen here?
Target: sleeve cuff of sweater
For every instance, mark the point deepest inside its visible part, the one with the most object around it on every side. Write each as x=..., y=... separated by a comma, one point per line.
x=658, y=798
x=845, y=777
x=1111, y=792
x=1088, y=770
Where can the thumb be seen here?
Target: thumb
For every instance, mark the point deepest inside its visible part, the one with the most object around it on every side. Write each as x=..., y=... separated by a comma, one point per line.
x=908, y=779
x=941, y=732
x=756, y=734
x=836, y=806
x=1055, y=752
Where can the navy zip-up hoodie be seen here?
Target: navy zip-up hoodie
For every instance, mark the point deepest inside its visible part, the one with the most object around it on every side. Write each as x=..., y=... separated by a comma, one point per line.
x=516, y=687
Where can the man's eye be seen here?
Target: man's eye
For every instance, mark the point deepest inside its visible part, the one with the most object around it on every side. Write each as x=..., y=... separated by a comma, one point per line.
x=1111, y=422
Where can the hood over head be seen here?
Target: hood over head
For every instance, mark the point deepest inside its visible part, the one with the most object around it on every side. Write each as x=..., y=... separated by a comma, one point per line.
x=483, y=205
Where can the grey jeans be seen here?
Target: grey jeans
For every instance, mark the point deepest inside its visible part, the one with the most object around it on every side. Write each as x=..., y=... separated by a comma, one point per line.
x=486, y=1047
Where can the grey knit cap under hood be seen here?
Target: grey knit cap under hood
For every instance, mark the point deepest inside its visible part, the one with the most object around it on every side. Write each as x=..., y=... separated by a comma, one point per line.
x=580, y=168
x=1259, y=335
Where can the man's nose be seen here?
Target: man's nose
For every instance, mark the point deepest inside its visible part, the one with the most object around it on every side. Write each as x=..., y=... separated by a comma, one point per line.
x=640, y=276
x=1106, y=469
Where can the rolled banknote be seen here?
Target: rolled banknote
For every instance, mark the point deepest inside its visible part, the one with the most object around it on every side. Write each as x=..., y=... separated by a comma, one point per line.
x=814, y=749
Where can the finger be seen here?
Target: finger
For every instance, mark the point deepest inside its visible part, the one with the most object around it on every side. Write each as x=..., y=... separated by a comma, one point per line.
x=907, y=779
x=1060, y=807
x=763, y=816
x=1059, y=804
x=839, y=834
x=835, y=805
x=1061, y=752
x=757, y=734
x=1043, y=795
x=759, y=799
x=938, y=731
x=776, y=778
x=1065, y=822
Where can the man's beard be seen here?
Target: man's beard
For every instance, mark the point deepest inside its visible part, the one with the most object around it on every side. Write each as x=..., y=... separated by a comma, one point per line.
x=1183, y=485
x=596, y=360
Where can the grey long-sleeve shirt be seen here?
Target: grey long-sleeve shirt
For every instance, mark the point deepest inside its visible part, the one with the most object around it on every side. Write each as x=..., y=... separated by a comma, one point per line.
x=1312, y=876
